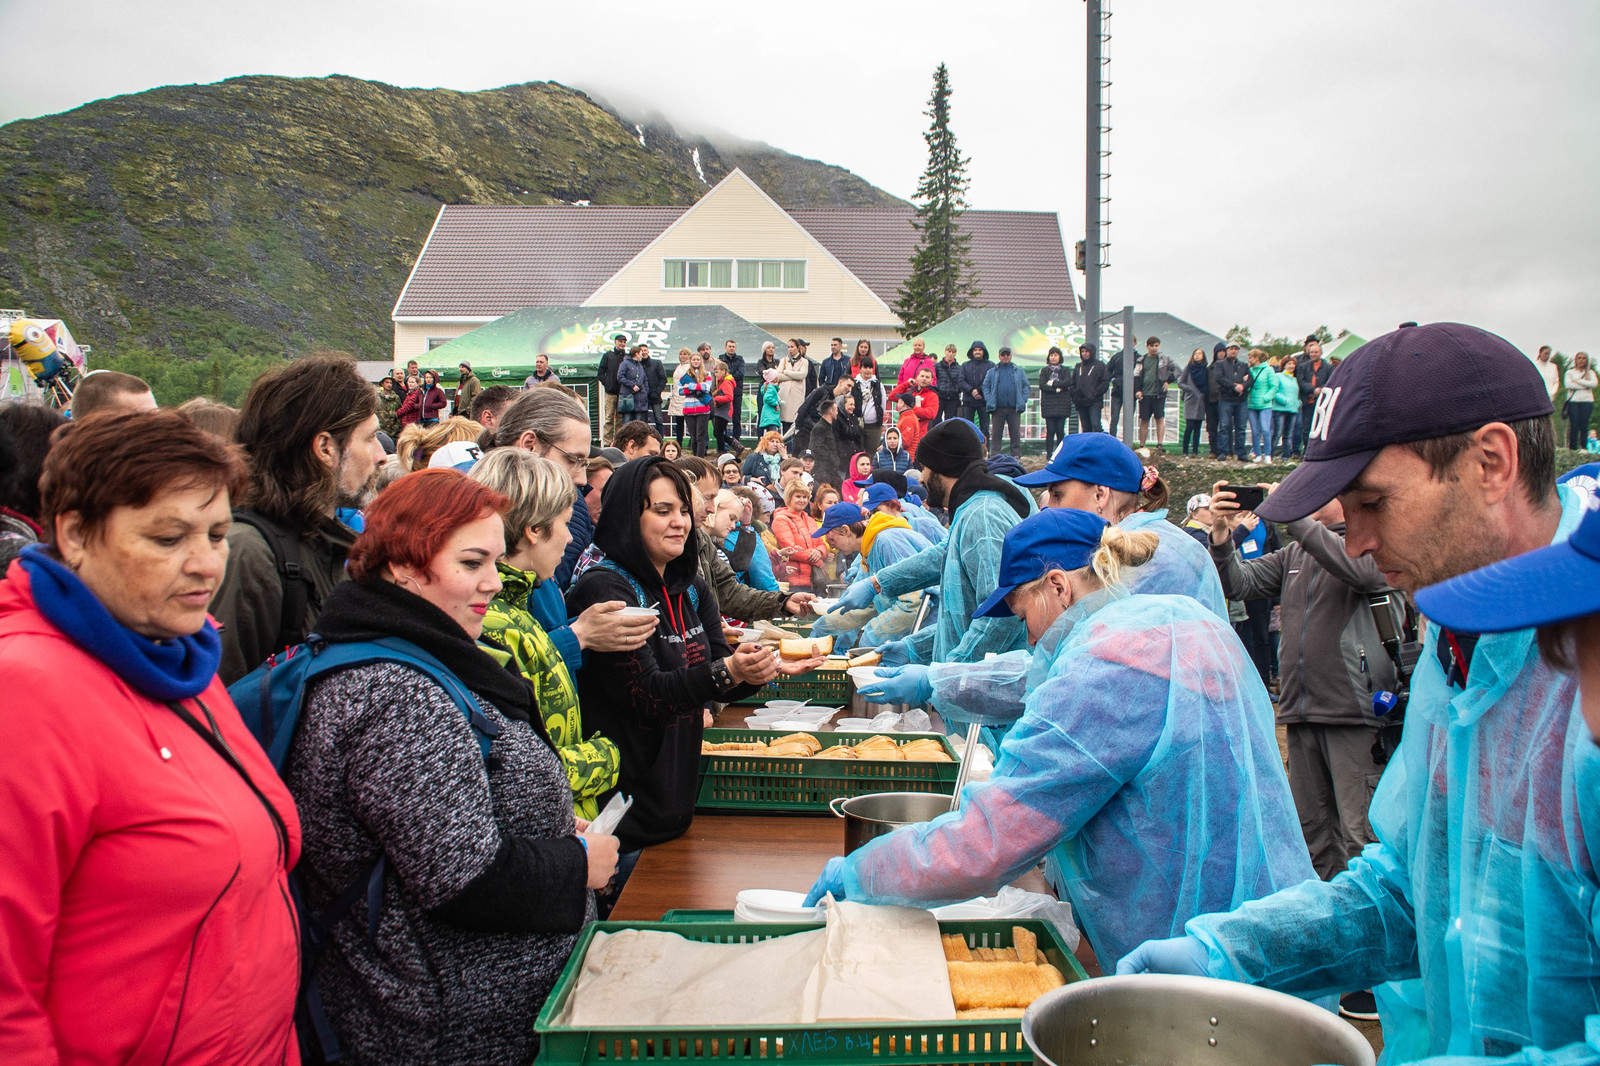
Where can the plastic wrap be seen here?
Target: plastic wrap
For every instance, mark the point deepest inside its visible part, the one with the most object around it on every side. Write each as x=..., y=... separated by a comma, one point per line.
x=1146, y=767
x=1482, y=883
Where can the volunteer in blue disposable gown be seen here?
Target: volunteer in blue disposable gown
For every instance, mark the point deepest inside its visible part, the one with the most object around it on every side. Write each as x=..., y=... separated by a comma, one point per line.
x=880, y=538
x=921, y=521
x=1093, y=472
x=1145, y=765
x=1478, y=902
x=964, y=567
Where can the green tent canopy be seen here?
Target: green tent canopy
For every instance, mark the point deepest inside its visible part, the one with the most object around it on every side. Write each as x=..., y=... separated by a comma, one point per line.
x=575, y=338
x=1342, y=346
x=1030, y=334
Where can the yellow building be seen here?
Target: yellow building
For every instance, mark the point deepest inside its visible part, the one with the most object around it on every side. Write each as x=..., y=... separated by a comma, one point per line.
x=814, y=273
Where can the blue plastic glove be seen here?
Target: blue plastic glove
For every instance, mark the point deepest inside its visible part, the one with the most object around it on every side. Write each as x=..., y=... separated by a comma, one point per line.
x=895, y=653
x=857, y=597
x=832, y=880
x=1181, y=954
x=900, y=684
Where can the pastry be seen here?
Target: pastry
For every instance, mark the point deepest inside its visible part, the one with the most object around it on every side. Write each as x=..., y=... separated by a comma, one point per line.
x=797, y=648
x=870, y=658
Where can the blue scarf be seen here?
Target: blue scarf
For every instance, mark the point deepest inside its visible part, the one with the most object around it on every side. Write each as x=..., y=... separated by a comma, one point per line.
x=162, y=670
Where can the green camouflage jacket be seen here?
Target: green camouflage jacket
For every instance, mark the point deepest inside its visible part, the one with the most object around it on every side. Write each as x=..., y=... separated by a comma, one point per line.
x=511, y=634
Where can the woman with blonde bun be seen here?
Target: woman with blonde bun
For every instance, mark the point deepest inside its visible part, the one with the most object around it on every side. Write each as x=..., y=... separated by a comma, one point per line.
x=1143, y=766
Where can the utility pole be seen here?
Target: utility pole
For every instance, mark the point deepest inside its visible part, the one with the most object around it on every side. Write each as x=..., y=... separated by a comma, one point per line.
x=1094, y=109
x=1127, y=384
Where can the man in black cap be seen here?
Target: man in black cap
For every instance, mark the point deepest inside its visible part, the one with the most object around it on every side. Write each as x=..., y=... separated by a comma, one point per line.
x=1311, y=374
x=607, y=373
x=1089, y=381
x=965, y=566
x=1437, y=442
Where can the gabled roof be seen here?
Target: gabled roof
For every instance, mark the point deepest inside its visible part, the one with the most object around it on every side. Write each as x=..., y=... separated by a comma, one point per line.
x=483, y=261
x=1018, y=255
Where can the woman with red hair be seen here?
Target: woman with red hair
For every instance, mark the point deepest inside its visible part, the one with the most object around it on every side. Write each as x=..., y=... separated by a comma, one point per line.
x=486, y=875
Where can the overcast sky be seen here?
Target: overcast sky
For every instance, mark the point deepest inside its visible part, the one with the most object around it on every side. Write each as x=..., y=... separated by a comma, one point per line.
x=1352, y=163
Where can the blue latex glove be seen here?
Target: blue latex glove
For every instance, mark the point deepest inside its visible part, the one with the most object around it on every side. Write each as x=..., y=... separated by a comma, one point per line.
x=900, y=684
x=895, y=653
x=1181, y=954
x=832, y=880
x=857, y=597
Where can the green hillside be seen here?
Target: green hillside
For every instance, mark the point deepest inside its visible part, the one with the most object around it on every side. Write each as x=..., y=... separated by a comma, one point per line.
x=229, y=224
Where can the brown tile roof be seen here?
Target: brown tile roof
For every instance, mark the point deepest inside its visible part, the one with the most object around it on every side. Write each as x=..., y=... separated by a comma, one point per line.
x=486, y=261
x=1018, y=255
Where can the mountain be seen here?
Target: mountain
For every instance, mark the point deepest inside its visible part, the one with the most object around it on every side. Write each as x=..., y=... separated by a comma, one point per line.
x=263, y=215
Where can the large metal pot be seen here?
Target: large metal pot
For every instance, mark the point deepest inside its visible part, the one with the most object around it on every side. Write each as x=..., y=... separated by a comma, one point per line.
x=1166, y=1020
x=879, y=813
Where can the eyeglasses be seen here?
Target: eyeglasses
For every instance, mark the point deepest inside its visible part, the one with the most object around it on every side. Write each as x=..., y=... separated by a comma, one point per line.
x=575, y=462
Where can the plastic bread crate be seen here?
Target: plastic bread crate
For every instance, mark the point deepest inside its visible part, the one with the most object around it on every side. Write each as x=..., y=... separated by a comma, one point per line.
x=825, y=688
x=731, y=781
x=997, y=1041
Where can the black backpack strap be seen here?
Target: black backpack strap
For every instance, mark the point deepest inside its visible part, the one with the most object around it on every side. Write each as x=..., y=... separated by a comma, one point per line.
x=292, y=576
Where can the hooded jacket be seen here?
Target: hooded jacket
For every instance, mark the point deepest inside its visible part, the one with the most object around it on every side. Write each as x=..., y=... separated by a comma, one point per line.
x=466, y=391
x=973, y=371
x=145, y=915
x=1332, y=657
x=1055, y=390
x=649, y=701
x=1089, y=380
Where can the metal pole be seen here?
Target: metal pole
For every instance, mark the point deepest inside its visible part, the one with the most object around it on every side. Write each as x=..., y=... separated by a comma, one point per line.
x=1128, y=353
x=1091, y=202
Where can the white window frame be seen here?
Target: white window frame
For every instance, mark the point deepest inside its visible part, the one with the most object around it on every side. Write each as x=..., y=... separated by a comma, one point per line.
x=733, y=274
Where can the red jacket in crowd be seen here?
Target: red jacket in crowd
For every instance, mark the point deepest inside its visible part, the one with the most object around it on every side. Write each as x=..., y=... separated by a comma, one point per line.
x=144, y=899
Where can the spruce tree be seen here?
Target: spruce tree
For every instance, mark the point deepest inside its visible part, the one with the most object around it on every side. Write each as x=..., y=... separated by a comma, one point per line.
x=942, y=279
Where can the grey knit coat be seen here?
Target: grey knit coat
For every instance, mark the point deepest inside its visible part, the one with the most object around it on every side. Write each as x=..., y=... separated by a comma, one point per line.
x=384, y=762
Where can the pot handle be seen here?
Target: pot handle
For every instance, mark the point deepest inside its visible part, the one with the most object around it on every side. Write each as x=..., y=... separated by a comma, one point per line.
x=833, y=805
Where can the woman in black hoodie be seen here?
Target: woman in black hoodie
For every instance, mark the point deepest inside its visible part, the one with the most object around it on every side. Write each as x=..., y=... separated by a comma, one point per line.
x=652, y=701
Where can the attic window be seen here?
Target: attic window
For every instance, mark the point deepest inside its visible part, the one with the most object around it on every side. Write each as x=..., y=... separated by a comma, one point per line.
x=727, y=274
x=697, y=274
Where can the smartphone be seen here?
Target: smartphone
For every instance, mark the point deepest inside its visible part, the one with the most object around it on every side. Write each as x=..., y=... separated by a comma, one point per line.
x=1248, y=497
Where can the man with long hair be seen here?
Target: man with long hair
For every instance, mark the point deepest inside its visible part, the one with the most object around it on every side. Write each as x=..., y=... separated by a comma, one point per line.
x=310, y=432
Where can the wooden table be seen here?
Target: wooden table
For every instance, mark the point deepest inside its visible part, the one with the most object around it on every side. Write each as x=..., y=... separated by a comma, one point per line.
x=722, y=854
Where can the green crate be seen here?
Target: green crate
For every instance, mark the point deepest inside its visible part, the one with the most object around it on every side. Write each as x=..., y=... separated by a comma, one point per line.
x=853, y=1044
x=825, y=688
x=761, y=783
x=676, y=916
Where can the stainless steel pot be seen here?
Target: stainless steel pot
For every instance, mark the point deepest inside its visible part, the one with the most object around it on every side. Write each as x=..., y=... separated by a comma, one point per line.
x=1185, y=1021
x=878, y=813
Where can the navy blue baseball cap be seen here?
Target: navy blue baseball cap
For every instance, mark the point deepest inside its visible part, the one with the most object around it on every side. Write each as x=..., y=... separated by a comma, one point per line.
x=1098, y=458
x=840, y=514
x=1537, y=588
x=1058, y=538
x=1416, y=383
x=876, y=495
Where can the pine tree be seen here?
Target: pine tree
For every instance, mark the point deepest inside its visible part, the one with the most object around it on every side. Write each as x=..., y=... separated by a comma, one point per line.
x=942, y=278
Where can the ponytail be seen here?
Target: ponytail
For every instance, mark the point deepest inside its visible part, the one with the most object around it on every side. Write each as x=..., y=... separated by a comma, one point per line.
x=1118, y=550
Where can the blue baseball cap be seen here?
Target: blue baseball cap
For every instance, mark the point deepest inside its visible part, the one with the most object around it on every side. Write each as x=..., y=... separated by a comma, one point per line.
x=876, y=495
x=1415, y=383
x=1537, y=588
x=1098, y=458
x=1058, y=538
x=840, y=514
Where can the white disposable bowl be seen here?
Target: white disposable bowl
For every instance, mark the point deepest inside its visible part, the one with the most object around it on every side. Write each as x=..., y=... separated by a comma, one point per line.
x=853, y=725
x=823, y=606
x=749, y=636
x=784, y=706
x=772, y=905
x=639, y=612
x=761, y=721
x=861, y=675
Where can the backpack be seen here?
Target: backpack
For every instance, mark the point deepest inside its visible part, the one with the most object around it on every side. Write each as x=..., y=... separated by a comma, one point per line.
x=269, y=700
x=638, y=589
x=284, y=541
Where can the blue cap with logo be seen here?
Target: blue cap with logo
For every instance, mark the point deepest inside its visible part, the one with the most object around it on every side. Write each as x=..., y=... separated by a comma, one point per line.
x=876, y=495
x=1537, y=588
x=1058, y=538
x=1098, y=458
x=840, y=514
x=1416, y=383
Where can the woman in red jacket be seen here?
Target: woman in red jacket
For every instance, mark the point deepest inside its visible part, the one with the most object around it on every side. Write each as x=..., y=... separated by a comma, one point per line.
x=144, y=900
x=793, y=525
x=434, y=400
x=410, y=410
